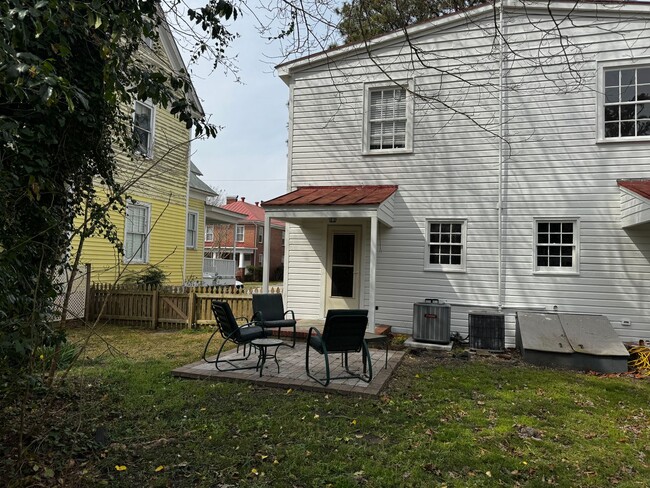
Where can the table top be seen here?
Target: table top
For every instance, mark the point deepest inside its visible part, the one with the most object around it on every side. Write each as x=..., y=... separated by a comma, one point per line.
x=370, y=337
x=267, y=342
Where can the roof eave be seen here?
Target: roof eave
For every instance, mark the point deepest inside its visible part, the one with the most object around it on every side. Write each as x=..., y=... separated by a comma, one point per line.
x=287, y=69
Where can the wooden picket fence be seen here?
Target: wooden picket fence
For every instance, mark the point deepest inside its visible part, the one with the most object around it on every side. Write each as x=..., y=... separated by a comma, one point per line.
x=168, y=306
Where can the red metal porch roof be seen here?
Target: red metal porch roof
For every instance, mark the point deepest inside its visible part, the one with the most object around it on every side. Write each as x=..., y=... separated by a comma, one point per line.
x=640, y=186
x=334, y=195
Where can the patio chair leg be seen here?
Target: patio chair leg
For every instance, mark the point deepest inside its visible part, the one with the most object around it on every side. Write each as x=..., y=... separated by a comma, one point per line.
x=231, y=361
x=327, y=368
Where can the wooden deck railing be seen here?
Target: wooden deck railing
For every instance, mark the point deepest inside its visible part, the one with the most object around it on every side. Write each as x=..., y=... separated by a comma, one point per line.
x=169, y=306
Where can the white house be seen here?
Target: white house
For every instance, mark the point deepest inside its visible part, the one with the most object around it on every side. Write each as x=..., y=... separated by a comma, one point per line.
x=505, y=172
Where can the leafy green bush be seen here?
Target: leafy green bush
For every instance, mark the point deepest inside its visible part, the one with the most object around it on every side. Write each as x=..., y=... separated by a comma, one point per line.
x=152, y=276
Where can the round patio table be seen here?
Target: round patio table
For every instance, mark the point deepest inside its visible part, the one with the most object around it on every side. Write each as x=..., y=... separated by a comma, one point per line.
x=263, y=346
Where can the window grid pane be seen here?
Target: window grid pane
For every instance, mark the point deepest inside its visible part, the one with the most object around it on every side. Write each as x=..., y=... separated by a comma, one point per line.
x=135, y=241
x=387, y=119
x=192, y=229
x=627, y=103
x=142, y=125
x=445, y=243
x=555, y=245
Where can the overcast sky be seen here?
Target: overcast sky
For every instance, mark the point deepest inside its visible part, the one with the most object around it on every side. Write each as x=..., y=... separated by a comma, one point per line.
x=249, y=156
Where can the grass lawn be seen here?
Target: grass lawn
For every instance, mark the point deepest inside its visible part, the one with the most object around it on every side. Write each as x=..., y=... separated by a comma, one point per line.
x=123, y=420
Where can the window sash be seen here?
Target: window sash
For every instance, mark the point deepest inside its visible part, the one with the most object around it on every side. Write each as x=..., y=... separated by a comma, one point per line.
x=136, y=233
x=239, y=233
x=143, y=128
x=192, y=229
x=626, y=103
x=556, y=246
x=387, y=119
x=209, y=233
x=445, y=245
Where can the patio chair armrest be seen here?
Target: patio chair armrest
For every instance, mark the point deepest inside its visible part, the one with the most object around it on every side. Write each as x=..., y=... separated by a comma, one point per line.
x=293, y=317
x=314, y=329
x=257, y=317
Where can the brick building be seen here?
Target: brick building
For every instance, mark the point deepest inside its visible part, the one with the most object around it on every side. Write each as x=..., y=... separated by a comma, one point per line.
x=248, y=238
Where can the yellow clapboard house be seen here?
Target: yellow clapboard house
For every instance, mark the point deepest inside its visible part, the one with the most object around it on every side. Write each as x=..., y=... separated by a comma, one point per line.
x=165, y=216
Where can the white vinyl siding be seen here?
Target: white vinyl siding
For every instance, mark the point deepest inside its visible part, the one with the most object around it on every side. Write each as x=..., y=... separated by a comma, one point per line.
x=192, y=230
x=552, y=167
x=239, y=233
x=556, y=246
x=136, y=238
x=143, y=127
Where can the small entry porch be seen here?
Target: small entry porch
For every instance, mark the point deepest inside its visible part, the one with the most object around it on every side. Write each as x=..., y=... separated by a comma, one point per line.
x=340, y=225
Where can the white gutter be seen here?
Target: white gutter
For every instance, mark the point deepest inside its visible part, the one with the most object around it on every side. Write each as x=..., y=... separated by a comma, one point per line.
x=500, y=189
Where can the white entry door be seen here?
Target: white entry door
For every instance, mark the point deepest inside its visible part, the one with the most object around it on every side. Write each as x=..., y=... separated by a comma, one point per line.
x=343, y=267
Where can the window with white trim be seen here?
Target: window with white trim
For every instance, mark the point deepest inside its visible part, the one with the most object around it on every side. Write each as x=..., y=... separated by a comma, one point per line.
x=283, y=237
x=143, y=122
x=260, y=235
x=388, y=123
x=209, y=233
x=445, y=245
x=239, y=233
x=136, y=235
x=192, y=230
x=627, y=102
x=261, y=259
x=556, y=246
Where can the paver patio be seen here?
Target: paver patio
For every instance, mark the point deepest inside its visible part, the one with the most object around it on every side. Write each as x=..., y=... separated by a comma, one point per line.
x=293, y=374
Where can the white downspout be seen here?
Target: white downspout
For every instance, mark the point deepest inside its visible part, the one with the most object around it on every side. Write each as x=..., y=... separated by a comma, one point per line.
x=500, y=188
x=373, y=273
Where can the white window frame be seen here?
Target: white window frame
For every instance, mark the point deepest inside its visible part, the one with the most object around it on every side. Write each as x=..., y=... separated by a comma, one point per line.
x=189, y=242
x=243, y=233
x=283, y=237
x=261, y=258
x=557, y=270
x=209, y=233
x=603, y=66
x=152, y=131
x=260, y=235
x=145, y=245
x=447, y=268
x=409, y=86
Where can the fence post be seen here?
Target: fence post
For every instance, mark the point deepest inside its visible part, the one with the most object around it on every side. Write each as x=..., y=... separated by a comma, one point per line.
x=154, y=308
x=190, y=308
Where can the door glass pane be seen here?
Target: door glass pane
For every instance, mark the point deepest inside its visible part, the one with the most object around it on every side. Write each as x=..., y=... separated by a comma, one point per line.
x=342, y=281
x=343, y=249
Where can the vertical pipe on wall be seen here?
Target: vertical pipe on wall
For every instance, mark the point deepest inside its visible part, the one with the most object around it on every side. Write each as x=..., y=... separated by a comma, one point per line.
x=500, y=183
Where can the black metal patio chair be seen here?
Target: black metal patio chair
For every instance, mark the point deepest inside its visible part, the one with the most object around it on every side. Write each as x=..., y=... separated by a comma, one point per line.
x=269, y=313
x=241, y=335
x=342, y=333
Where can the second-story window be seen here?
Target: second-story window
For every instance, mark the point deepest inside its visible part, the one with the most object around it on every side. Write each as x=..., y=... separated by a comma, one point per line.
x=260, y=235
x=388, y=117
x=209, y=233
x=143, y=122
x=627, y=103
x=239, y=233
